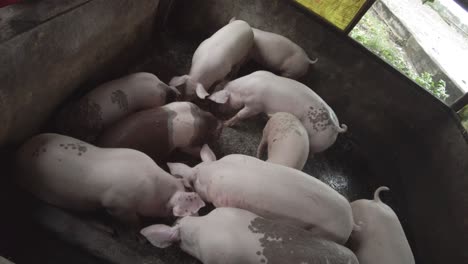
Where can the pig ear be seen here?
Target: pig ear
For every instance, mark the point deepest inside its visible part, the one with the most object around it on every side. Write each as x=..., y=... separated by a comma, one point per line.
x=232, y=20
x=220, y=97
x=186, y=204
x=182, y=170
x=174, y=90
x=179, y=80
x=161, y=236
x=207, y=154
x=201, y=92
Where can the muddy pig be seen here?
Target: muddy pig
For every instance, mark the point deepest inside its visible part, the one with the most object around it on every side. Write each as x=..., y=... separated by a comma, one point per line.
x=379, y=236
x=280, y=54
x=72, y=174
x=270, y=190
x=231, y=236
x=287, y=141
x=266, y=92
x=216, y=57
x=157, y=132
x=112, y=101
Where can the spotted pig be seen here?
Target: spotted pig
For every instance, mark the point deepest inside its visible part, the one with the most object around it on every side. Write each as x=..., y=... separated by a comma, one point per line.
x=265, y=92
x=86, y=118
x=231, y=236
x=72, y=174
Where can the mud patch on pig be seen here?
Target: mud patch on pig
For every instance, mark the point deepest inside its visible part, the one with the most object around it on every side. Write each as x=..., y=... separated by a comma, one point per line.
x=79, y=147
x=39, y=149
x=283, y=126
x=120, y=98
x=287, y=244
x=319, y=118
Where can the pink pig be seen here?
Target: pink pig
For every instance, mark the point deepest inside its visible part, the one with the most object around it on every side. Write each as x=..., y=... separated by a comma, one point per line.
x=112, y=101
x=379, y=236
x=280, y=54
x=214, y=59
x=232, y=236
x=271, y=191
x=159, y=131
x=72, y=174
x=287, y=141
x=265, y=92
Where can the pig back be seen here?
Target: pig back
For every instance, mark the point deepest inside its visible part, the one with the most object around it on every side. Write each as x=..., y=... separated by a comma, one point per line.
x=148, y=131
x=222, y=236
x=218, y=55
x=230, y=235
x=288, y=142
x=234, y=41
x=280, y=94
x=58, y=169
x=380, y=238
x=276, y=192
x=85, y=119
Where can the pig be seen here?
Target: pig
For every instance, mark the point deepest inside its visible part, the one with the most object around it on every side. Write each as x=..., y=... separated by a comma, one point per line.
x=231, y=236
x=112, y=101
x=266, y=92
x=158, y=132
x=279, y=54
x=270, y=190
x=216, y=58
x=287, y=141
x=71, y=174
x=378, y=236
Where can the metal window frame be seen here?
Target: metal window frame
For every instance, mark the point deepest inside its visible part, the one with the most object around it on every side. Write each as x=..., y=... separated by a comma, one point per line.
x=363, y=10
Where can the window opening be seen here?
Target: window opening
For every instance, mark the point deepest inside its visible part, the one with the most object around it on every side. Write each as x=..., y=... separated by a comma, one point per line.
x=427, y=40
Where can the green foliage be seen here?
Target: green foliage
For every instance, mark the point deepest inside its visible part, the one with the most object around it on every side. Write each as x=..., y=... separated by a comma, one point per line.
x=374, y=35
x=437, y=89
x=464, y=117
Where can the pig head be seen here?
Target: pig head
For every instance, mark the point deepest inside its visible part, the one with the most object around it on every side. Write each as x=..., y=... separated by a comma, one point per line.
x=188, y=88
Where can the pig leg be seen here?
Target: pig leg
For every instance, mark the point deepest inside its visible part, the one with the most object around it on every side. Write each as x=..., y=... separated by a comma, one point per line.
x=244, y=113
x=261, y=147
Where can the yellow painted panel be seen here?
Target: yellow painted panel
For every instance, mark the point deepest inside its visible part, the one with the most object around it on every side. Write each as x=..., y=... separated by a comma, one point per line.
x=338, y=12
